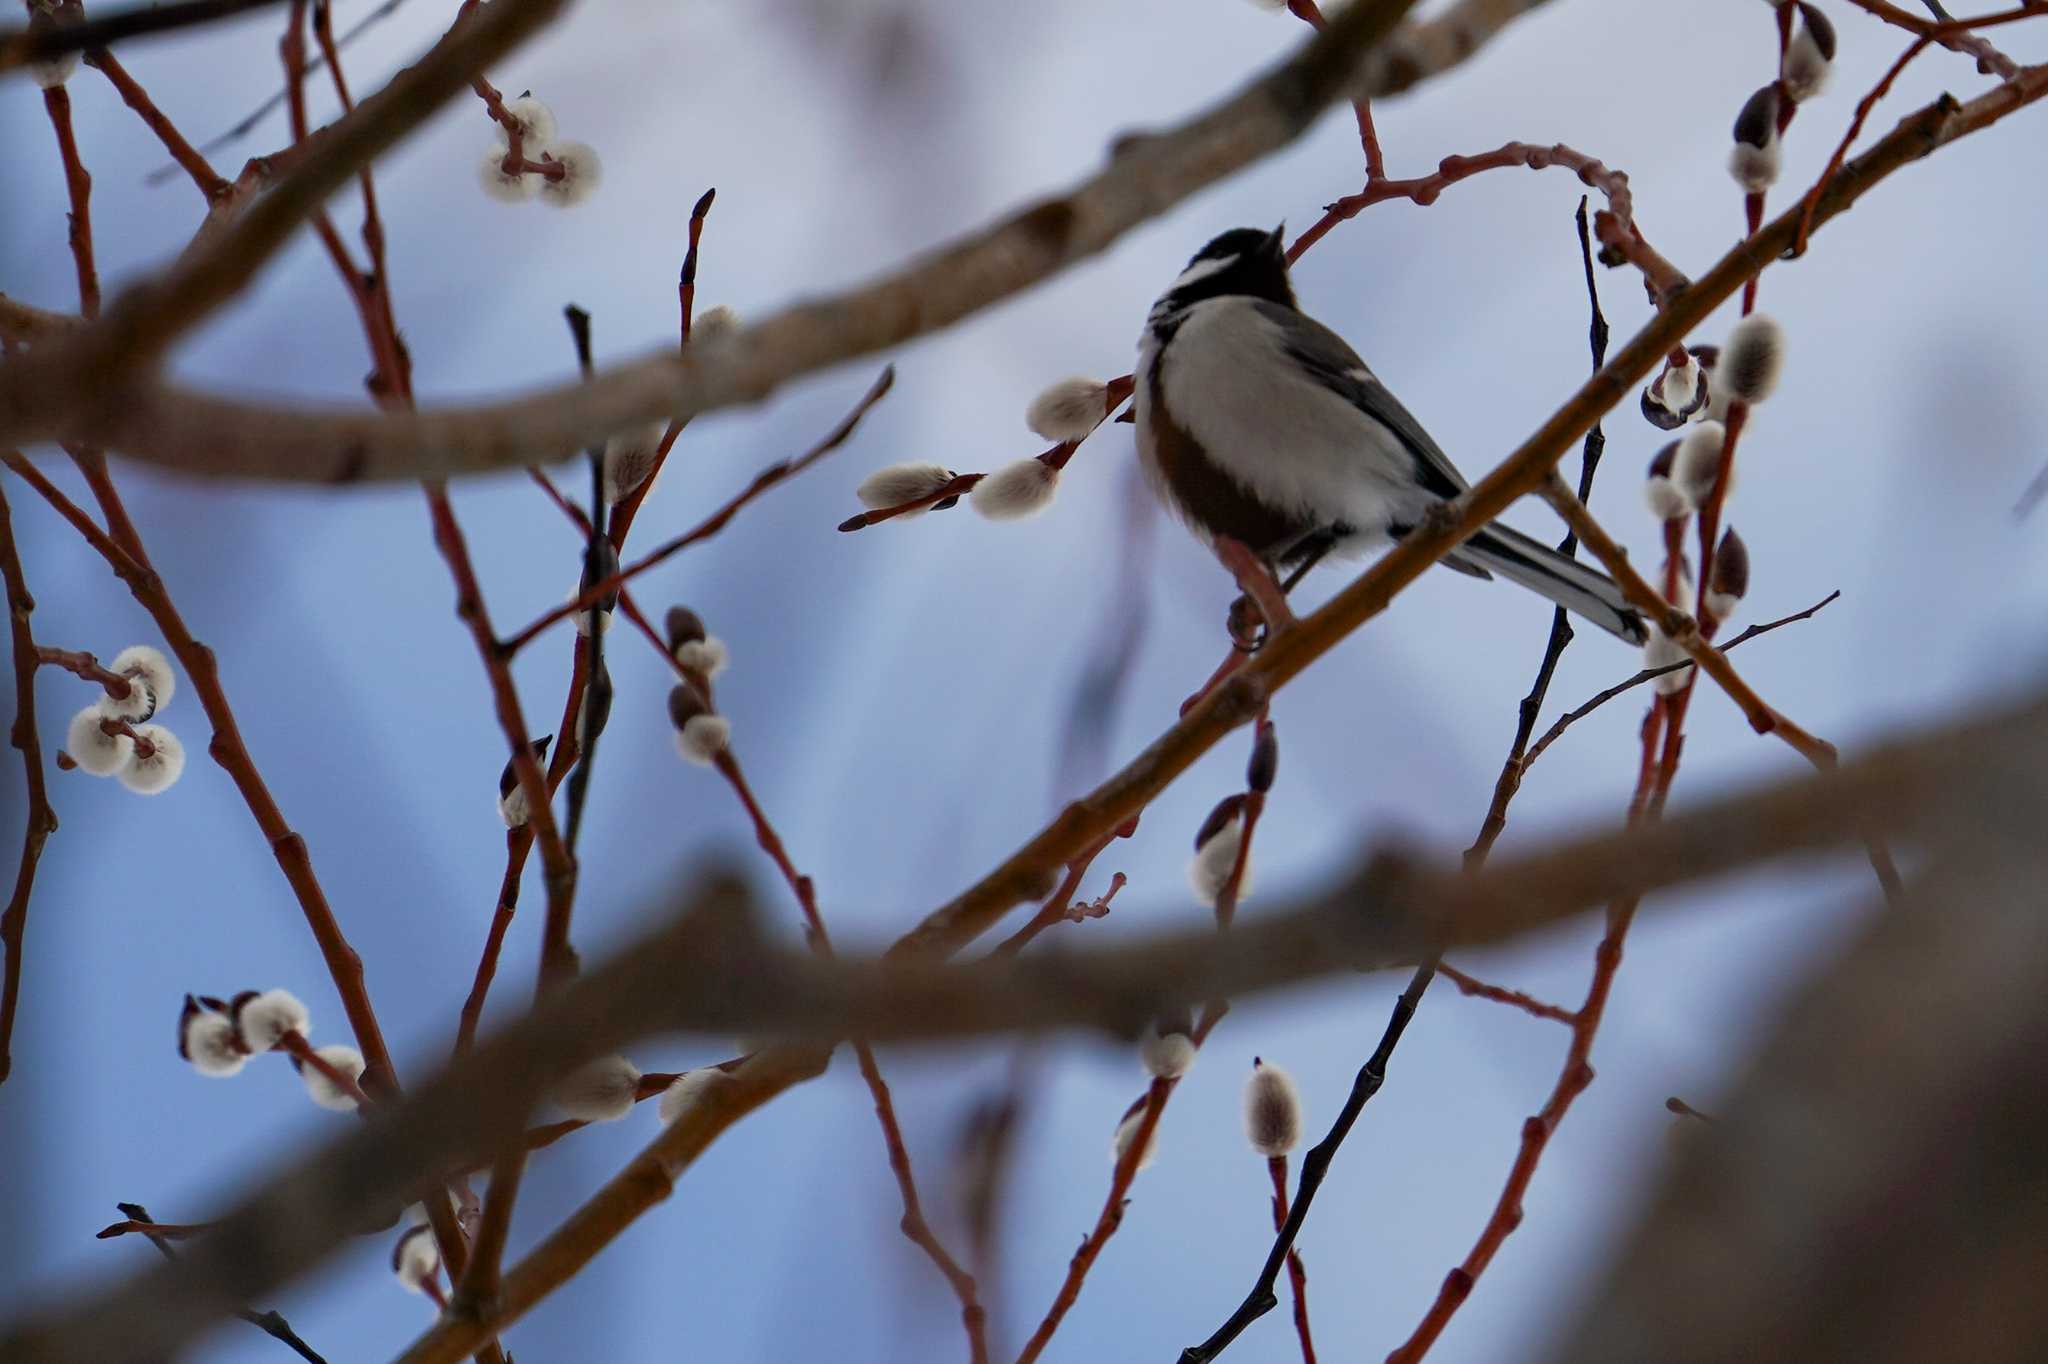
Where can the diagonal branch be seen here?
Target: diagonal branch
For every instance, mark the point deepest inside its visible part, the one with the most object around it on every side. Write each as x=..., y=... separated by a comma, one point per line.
x=708, y=971
x=53, y=389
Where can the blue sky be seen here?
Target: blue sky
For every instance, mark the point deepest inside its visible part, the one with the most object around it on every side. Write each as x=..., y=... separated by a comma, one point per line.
x=898, y=696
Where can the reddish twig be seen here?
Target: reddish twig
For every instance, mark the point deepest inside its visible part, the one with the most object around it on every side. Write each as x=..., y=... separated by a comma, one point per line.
x=1059, y=905
x=1297, y=1273
x=85, y=666
x=78, y=188
x=232, y=754
x=1527, y=1003
x=135, y=97
x=774, y=474
x=300, y=1050
x=1601, y=698
x=913, y=1224
x=1106, y=1222
x=42, y=818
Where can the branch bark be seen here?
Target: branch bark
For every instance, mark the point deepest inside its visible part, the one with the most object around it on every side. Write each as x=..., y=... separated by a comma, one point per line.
x=1935, y=784
x=73, y=383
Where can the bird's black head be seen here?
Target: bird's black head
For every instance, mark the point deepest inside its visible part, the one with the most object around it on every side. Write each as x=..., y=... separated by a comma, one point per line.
x=1242, y=261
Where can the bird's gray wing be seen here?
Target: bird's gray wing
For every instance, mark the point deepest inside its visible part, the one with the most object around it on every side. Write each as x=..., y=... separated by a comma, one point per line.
x=1324, y=355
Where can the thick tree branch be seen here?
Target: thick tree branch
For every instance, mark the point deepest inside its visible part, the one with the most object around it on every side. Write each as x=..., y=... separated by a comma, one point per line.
x=66, y=386
x=1933, y=785
x=97, y=364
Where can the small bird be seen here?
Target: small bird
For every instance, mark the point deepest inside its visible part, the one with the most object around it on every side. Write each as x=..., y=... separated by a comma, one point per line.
x=1257, y=422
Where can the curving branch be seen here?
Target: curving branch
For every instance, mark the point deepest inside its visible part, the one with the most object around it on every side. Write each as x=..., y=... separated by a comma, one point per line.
x=53, y=391
x=97, y=364
x=1934, y=785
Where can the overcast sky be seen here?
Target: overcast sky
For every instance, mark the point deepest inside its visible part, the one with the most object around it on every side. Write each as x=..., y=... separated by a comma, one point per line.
x=899, y=696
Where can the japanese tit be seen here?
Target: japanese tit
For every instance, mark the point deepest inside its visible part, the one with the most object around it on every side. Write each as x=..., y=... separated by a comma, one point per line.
x=1257, y=422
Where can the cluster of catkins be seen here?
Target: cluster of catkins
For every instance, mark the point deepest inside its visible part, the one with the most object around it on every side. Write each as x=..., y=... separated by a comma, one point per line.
x=1066, y=412
x=1803, y=72
x=540, y=165
x=219, y=1036
x=701, y=732
x=1682, y=475
x=112, y=737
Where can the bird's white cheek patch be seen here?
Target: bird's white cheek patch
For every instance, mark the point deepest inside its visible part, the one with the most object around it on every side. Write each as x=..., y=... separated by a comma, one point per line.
x=1201, y=270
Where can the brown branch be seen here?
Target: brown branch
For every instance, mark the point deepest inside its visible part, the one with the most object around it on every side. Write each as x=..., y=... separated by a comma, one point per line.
x=85, y=666
x=1147, y=175
x=135, y=97
x=1682, y=629
x=1527, y=1003
x=87, y=365
x=1954, y=35
x=78, y=188
x=41, y=819
x=1929, y=784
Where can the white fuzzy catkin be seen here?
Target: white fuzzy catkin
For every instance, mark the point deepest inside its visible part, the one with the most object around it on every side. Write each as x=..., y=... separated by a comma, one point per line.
x=1665, y=499
x=581, y=619
x=54, y=72
x=1272, y=1111
x=599, y=1091
x=707, y=655
x=895, y=484
x=1127, y=1132
x=682, y=1092
x=1069, y=409
x=629, y=458
x=1209, y=872
x=324, y=1091
x=581, y=174
x=97, y=753
x=1753, y=359
x=151, y=683
x=416, y=1259
x=1698, y=461
x=714, y=324
x=1017, y=490
x=1679, y=387
x=536, y=123
x=159, y=771
x=514, y=188
x=264, y=1020
x=1810, y=57
x=1167, y=1055
x=1755, y=168
x=208, y=1041
x=703, y=737
x=1661, y=651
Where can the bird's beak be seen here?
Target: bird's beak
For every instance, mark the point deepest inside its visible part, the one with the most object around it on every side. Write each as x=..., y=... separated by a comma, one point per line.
x=1276, y=242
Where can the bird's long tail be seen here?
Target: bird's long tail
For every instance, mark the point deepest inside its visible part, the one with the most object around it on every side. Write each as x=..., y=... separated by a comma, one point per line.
x=1578, y=588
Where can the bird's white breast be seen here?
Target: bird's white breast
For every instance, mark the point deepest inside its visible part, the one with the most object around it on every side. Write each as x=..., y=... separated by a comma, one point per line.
x=1286, y=439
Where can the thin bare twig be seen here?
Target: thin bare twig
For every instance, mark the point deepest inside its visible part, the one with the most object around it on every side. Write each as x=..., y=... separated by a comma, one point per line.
x=1601, y=698
x=1933, y=781
x=41, y=819
x=270, y=1323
